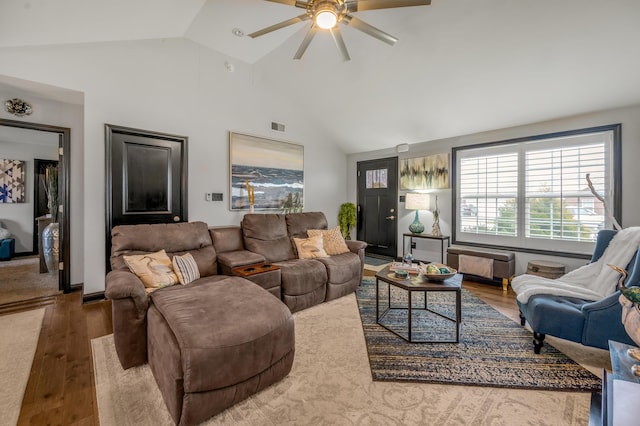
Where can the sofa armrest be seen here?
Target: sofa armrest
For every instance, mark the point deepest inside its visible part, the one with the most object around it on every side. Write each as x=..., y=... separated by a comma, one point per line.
x=601, y=305
x=355, y=246
x=603, y=322
x=121, y=284
x=129, y=313
x=232, y=259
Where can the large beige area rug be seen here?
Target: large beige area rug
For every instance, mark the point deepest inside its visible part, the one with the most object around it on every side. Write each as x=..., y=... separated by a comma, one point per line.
x=19, y=335
x=331, y=384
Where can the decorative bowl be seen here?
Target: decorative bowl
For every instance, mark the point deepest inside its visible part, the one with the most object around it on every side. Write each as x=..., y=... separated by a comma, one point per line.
x=436, y=277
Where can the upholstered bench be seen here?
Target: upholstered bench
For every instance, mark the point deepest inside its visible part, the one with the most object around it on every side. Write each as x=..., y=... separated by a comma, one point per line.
x=7, y=249
x=216, y=344
x=483, y=263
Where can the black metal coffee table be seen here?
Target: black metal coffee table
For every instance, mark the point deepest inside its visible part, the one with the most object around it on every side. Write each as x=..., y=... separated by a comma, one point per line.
x=417, y=284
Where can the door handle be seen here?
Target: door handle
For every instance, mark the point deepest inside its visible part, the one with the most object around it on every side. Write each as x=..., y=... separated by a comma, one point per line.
x=392, y=217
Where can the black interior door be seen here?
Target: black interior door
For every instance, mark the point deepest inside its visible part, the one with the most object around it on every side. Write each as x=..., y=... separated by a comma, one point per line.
x=377, y=205
x=146, y=178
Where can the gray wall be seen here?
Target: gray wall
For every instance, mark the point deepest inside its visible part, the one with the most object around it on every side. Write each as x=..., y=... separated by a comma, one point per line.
x=173, y=86
x=629, y=117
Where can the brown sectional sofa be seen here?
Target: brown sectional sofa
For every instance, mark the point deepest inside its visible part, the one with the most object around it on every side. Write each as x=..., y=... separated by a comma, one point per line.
x=304, y=282
x=221, y=338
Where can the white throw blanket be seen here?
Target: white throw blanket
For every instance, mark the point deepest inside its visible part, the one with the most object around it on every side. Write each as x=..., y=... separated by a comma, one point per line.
x=591, y=282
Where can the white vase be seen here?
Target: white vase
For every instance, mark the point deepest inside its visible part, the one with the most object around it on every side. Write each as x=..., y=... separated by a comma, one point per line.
x=51, y=246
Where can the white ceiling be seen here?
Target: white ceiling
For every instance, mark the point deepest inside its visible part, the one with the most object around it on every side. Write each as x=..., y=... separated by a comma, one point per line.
x=460, y=67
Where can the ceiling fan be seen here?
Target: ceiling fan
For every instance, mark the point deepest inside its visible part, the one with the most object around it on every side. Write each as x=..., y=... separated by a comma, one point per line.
x=327, y=14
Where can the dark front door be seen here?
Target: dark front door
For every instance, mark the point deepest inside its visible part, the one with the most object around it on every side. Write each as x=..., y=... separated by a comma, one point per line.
x=377, y=205
x=146, y=178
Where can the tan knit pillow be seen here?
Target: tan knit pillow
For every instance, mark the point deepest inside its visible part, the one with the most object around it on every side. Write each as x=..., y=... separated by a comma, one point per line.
x=153, y=269
x=332, y=240
x=310, y=248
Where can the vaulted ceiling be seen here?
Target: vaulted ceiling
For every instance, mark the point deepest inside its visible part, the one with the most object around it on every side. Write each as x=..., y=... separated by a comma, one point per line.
x=460, y=66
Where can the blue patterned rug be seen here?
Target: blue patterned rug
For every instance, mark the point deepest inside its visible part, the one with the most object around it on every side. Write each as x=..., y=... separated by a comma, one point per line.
x=493, y=350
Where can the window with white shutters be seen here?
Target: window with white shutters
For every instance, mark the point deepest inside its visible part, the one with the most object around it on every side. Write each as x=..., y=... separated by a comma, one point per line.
x=533, y=194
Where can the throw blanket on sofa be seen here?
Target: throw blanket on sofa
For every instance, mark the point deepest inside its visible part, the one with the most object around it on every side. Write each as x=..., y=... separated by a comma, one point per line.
x=590, y=282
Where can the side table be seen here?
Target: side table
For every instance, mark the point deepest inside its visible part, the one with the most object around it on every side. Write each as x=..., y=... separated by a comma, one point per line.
x=602, y=412
x=441, y=238
x=266, y=275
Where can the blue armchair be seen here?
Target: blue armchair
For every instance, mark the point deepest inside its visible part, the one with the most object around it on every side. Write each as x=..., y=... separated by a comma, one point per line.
x=587, y=322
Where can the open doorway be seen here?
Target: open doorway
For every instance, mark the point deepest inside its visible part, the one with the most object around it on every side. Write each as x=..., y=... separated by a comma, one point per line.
x=21, y=276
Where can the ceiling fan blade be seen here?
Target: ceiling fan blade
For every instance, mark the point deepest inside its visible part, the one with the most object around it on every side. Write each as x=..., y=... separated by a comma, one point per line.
x=360, y=5
x=302, y=4
x=282, y=24
x=305, y=43
x=337, y=38
x=359, y=24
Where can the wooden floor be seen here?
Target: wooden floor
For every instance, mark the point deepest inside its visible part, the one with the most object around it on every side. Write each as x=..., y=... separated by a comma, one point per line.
x=61, y=388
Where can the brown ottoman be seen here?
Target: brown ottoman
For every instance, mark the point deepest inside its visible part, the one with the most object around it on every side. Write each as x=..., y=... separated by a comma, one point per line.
x=214, y=343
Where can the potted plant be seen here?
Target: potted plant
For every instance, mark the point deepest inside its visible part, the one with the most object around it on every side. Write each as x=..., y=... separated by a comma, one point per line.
x=347, y=219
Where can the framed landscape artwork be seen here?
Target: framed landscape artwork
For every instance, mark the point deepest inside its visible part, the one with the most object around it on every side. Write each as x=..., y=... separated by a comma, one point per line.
x=12, y=181
x=431, y=172
x=268, y=172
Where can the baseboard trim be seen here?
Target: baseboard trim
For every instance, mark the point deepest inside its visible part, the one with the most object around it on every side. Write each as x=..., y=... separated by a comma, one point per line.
x=93, y=297
x=26, y=305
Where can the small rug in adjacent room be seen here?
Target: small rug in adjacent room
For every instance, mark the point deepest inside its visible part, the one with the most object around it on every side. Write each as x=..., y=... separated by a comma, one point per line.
x=19, y=334
x=493, y=350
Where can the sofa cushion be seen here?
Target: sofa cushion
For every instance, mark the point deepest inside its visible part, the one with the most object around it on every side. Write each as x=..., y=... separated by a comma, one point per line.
x=228, y=331
x=342, y=267
x=310, y=248
x=266, y=234
x=299, y=223
x=186, y=268
x=302, y=276
x=153, y=269
x=174, y=238
x=332, y=240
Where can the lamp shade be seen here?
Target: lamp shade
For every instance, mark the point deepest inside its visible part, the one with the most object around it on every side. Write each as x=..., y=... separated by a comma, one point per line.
x=416, y=201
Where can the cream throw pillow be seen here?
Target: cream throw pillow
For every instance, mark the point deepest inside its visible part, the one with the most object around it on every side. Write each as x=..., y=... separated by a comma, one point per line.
x=332, y=240
x=310, y=248
x=153, y=269
x=186, y=268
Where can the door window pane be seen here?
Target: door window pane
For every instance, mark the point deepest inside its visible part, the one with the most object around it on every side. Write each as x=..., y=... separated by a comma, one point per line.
x=376, y=178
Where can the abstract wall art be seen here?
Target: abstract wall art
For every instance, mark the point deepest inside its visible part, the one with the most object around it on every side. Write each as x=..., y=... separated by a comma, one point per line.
x=431, y=172
x=12, y=181
x=265, y=174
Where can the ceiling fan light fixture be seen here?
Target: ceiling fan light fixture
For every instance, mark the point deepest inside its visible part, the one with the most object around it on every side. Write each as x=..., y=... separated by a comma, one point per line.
x=326, y=17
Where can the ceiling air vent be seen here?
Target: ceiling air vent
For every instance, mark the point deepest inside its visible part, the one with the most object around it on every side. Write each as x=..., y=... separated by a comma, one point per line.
x=278, y=127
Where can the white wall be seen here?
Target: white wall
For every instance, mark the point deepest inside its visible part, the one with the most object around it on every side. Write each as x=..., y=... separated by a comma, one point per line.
x=18, y=217
x=629, y=117
x=62, y=114
x=175, y=86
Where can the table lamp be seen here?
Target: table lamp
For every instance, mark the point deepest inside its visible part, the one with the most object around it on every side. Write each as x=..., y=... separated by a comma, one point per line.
x=416, y=201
